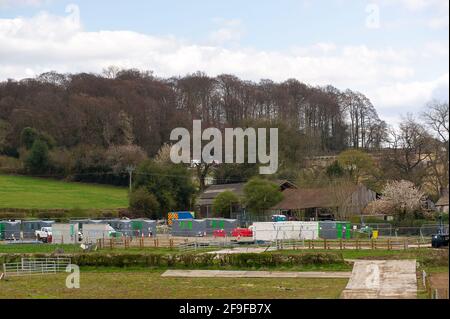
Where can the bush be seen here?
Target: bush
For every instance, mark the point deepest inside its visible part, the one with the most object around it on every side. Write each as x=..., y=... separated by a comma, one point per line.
x=193, y=261
x=144, y=203
x=223, y=204
x=38, y=161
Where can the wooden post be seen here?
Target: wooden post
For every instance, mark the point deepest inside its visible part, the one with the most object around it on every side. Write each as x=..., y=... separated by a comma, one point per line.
x=372, y=244
x=141, y=242
x=312, y=245
x=309, y=244
x=389, y=244
x=110, y=243
x=325, y=244
x=340, y=243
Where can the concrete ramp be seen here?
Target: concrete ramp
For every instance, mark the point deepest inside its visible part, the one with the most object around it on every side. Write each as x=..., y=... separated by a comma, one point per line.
x=382, y=279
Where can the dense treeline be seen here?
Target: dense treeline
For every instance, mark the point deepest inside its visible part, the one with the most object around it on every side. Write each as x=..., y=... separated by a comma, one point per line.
x=96, y=128
x=131, y=107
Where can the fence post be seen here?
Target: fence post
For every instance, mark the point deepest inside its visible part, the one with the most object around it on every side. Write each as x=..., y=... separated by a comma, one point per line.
x=325, y=244
x=389, y=244
x=357, y=242
x=405, y=244
x=340, y=243
x=110, y=243
x=309, y=244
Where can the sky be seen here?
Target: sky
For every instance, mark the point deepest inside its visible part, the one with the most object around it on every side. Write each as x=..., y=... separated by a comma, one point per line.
x=393, y=51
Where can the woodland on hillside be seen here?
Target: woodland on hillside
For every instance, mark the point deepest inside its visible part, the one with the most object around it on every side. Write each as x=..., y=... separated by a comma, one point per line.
x=91, y=127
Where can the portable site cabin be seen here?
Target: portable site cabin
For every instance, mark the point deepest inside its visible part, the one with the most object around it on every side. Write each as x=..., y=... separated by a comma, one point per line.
x=189, y=228
x=179, y=216
x=65, y=233
x=285, y=231
x=213, y=224
x=122, y=225
x=143, y=227
x=29, y=227
x=10, y=230
x=80, y=222
x=92, y=232
x=335, y=230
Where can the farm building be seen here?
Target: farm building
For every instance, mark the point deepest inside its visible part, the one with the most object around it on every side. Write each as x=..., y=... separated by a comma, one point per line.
x=442, y=204
x=206, y=199
x=189, y=228
x=213, y=224
x=10, y=230
x=335, y=230
x=293, y=230
x=325, y=203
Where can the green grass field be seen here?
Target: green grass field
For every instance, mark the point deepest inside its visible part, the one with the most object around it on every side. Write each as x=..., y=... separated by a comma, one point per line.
x=148, y=284
x=37, y=193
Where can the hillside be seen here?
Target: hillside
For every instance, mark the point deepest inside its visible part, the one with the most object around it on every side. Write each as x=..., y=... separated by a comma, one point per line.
x=36, y=193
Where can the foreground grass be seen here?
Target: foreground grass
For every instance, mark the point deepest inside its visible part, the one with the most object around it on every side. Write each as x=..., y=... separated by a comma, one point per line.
x=150, y=285
x=37, y=193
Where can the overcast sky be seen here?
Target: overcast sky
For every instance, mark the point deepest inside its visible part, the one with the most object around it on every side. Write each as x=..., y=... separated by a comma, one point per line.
x=393, y=51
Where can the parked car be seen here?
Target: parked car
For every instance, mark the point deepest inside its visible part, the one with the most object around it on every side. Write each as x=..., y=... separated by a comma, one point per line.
x=220, y=233
x=44, y=234
x=440, y=240
x=242, y=232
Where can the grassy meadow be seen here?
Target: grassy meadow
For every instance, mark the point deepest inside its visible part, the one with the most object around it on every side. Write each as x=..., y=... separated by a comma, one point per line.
x=38, y=193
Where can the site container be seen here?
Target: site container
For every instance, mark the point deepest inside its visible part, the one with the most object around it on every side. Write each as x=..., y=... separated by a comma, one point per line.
x=179, y=216
x=294, y=230
x=65, y=233
x=214, y=224
x=189, y=228
x=335, y=230
x=10, y=230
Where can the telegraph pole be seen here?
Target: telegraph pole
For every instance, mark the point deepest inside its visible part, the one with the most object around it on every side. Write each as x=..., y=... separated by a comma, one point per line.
x=130, y=169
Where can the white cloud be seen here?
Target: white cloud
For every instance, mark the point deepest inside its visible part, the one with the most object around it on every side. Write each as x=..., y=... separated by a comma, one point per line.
x=22, y=3
x=413, y=93
x=46, y=42
x=418, y=5
x=228, y=31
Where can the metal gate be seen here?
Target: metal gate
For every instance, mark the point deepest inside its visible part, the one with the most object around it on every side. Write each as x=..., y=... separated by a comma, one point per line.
x=36, y=266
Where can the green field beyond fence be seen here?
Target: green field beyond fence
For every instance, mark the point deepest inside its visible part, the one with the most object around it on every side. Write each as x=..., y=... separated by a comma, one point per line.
x=37, y=193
